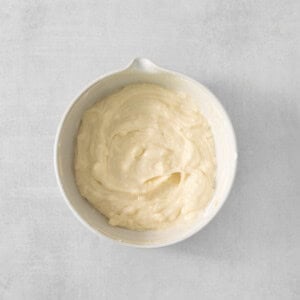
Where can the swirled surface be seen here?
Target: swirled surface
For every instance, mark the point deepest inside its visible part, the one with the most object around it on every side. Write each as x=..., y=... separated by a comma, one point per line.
x=145, y=158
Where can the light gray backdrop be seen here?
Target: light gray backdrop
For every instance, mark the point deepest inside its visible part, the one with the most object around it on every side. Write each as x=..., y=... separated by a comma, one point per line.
x=247, y=52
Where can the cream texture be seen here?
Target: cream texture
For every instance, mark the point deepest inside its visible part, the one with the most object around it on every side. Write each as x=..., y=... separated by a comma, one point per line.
x=145, y=158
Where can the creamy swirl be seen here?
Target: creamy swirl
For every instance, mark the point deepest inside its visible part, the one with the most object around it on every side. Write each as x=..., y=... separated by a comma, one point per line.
x=145, y=158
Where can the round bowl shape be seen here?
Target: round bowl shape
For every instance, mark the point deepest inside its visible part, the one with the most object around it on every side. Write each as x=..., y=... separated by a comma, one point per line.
x=142, y=70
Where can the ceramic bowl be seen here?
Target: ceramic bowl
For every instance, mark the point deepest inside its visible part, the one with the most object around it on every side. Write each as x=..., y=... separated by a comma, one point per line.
x=142, y=70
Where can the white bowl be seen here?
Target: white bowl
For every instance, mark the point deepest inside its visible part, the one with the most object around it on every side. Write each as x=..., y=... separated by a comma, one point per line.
x=142, y=70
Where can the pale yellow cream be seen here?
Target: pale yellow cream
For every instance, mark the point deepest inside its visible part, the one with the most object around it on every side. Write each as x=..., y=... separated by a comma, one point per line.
x=145, y=158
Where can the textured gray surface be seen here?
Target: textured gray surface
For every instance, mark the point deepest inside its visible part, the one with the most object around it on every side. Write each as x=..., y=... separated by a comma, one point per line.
x=247, y=52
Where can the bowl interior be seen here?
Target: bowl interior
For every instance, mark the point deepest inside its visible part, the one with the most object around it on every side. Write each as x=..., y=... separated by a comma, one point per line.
x=211, y=109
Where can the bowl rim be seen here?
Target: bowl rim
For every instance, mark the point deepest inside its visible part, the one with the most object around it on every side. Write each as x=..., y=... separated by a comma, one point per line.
x=136, y=64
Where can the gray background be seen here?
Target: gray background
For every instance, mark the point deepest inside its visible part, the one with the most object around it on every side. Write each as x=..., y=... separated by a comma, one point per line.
x=246, y=52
